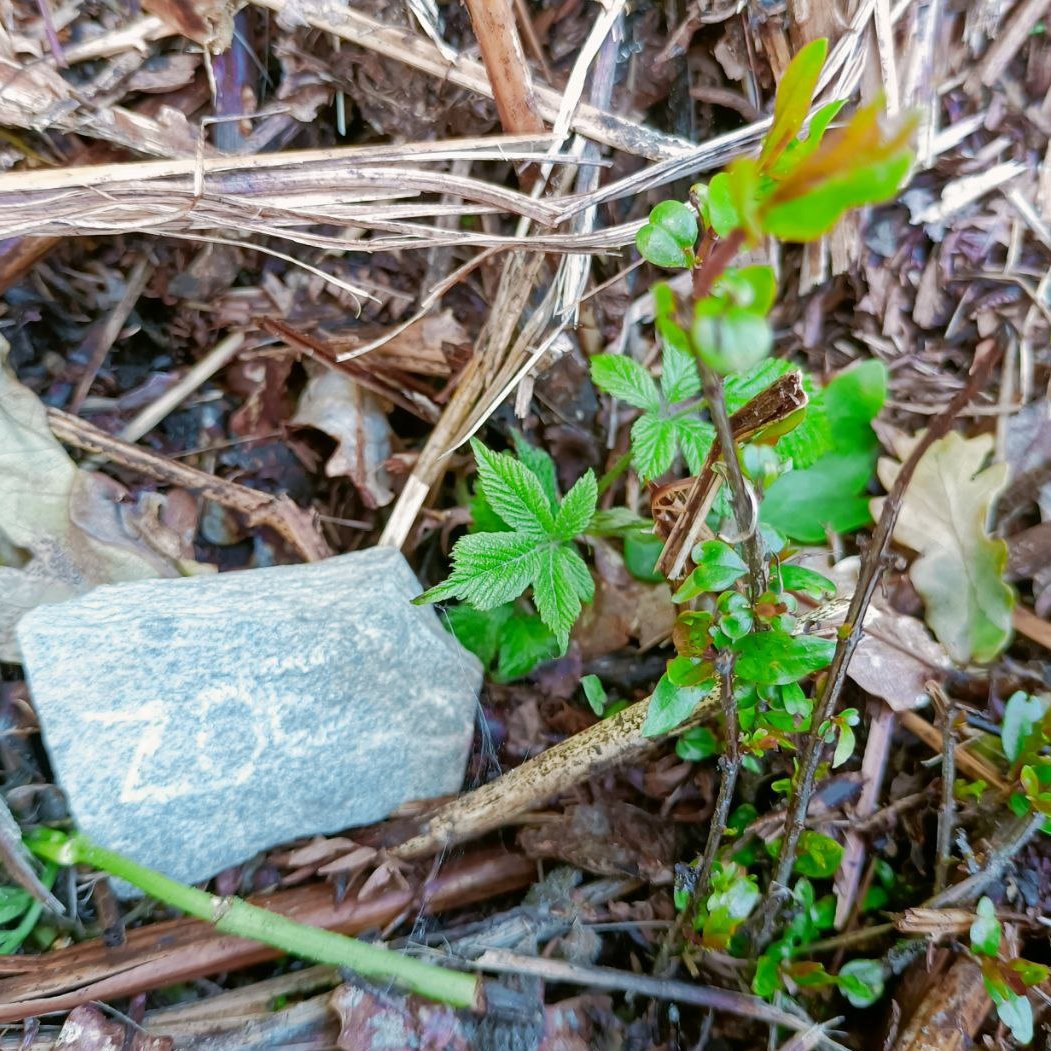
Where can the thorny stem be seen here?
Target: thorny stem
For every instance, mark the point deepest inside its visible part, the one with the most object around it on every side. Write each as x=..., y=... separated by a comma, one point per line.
x=986, y=356
x=730, y=766
x=235, y=916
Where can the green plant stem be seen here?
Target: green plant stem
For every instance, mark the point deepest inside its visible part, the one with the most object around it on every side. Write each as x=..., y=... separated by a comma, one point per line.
x=236, y=916
x=621, y=464
x=986, y=356
x=730, y=766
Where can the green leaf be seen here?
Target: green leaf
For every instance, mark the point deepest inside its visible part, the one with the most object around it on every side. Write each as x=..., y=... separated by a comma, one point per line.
x=776, y=658
x=697, y=744
x=751, y=287
x=844, y=746
x=489, y=569
x=479, y=630
x=14, y=901
x=767, y=978
x=513, y=492
x=861, y=981
x=804, y=504
x=659, y=247
x=792, y=102
x=525, y=641
x=1028, y=972
x=619, y=521
x=595, y=692
x=819, y=856
x=679, y=377
x=695, y=438
x=718, y=566
x=678, y=220
x=722, y=211
x=626, y=379
x=653, y=445
x=813, y=214
x=959, y=572
x=1016, y=1012
x=541, y=464
x=853, y=400
x=730, y=339
x=806, y=581
x=640, y=558
x=561, y=583
x=986, y=931
x=671, y=705
x=1022, y=715
x=577, y=507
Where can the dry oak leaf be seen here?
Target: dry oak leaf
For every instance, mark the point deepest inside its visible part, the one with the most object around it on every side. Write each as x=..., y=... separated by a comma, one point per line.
x=944, y=519
x=64, y=530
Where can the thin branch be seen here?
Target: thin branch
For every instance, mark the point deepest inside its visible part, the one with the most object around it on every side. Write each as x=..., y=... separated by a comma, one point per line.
x=947, y=813
x=744, y=505
x=741, y=1004
x=729, y=765
x=986, y=356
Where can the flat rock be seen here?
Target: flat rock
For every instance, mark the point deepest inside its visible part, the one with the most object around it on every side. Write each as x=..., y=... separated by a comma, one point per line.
x=195, y=722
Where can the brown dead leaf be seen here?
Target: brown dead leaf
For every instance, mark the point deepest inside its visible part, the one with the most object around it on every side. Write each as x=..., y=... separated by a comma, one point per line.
x=371, y=1022
x=207, y=22
x=66, y=530
x=610, y=839
x=624, y=609
x=332, y=402
x=88, y=1029
x=432, y=346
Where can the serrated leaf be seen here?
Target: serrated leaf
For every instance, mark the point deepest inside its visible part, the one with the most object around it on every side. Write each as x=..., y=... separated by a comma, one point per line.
x=541, y=464
x=959, y=571
x=792, y=102
x=1022, y=714
x=670, y=705
x=561, y=582
x=653, y=445
x=626, y=379
x=525, y=641
x=695, y=438
x=679, y=377
x=489, y=569
x=513, y=491
x=776, y=658
x=577, y=507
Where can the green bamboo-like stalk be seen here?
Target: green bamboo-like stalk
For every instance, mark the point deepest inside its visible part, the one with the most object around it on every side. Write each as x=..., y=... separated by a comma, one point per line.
x=235, y=916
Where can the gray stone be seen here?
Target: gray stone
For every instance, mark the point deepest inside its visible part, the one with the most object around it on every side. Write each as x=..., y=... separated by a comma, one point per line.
x=195, y=722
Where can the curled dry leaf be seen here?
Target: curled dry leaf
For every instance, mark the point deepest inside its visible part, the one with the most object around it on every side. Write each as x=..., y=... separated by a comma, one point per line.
x=944, y=518
x=64, y=530
x=332, y=402
x=86, y=1028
